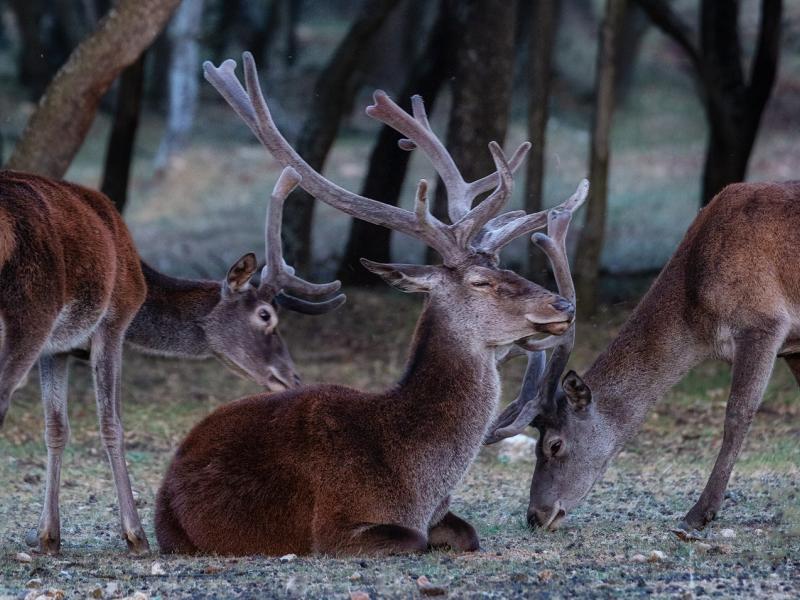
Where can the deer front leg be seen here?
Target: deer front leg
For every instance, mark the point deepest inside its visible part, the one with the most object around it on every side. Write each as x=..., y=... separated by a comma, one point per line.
x=53, y=373
x=753, y=361
x=377, y=539
x=106, y=363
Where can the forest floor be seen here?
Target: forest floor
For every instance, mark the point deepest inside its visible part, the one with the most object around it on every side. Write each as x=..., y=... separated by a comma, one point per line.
x=753, y=550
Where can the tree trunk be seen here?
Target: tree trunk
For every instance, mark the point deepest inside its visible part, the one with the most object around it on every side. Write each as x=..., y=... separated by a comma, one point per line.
x=33, y=67
x=119, y=153
x=292, y=18
x=59, y=124
x=543, y=23
x=631, y=34
x=333, y=94
x=590, y=246
x=388, y=163
x=482, y=78
x=184, y=81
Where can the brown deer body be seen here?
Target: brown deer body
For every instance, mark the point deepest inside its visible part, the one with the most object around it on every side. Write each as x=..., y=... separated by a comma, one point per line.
x=731, y=291
x=72, y=281
x=331, y=469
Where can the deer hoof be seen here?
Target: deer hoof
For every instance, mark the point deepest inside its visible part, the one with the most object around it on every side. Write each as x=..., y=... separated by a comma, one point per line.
x=137, y=542
x=49, y=544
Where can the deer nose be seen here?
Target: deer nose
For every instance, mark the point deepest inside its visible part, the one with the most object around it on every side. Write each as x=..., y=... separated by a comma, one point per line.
x=547, y=518
x=563, y=305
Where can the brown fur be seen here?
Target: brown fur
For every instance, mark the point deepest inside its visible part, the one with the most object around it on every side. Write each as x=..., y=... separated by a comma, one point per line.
x=329, y=469
x=72, y=279
x=731, y=291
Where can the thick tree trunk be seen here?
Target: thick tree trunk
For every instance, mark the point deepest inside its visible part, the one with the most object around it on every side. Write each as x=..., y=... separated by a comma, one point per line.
x=482, y=77
x=184, y=80
x=59, y=125
x=333, y=94
x=119, y=153
x=543, y=27
x=734, y=106
x=590, y=246
x=388, y=163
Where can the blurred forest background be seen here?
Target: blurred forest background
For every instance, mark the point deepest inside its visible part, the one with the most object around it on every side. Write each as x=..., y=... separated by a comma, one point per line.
x=659, y=102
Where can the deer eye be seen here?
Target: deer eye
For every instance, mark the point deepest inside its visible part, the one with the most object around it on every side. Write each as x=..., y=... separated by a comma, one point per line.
x=555, y=447
x=264, y=315
x=481, y=284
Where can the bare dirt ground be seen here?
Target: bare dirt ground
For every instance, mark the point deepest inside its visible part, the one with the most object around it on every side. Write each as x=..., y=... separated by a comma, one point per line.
x=651, y=484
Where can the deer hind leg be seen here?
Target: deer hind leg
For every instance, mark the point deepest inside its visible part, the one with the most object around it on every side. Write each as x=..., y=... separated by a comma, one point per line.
x=106, y=357
x=172, y=538
x=380, y=539
x=754, y=359
x=53, y=372
x=22, y=343
x=455, y=533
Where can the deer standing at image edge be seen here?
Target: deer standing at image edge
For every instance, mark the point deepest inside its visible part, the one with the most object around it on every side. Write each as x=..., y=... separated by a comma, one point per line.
x=330, y=469
x=731, y=291
x=73, y=282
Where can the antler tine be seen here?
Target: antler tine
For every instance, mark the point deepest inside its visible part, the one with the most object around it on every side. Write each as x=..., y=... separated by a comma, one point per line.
x=506, y=424
x=484, y=184
x=494, y=239
x=418, y=131
x=253, y=109
x=277, y=274
x=473, y=221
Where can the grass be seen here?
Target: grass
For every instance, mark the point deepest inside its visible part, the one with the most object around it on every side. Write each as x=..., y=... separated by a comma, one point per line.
x=648, y=488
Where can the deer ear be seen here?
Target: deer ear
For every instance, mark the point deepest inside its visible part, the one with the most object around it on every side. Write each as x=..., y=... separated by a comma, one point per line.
x=577, y=392
x=239, y=274
x=408, y=278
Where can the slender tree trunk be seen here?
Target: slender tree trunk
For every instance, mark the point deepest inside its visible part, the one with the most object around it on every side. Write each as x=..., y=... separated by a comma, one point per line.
x=482, y=78
x=59, y=124
x=631, y=34
x=292, y=10
x=543, y=27
x=333, y=94
x=184, y=80
x=119, y=153
x=33, y=66
x=388, y=163
x=590, y=246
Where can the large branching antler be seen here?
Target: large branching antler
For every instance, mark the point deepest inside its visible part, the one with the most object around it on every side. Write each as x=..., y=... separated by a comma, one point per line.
x=277, y=277
x=480, y=229
x=541, y=382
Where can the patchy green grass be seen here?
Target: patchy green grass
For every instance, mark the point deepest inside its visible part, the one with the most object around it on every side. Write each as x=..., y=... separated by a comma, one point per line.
x=652, y=483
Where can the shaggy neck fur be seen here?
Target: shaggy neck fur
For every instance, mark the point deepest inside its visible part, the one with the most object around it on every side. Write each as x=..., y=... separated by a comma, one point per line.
x=170, y=320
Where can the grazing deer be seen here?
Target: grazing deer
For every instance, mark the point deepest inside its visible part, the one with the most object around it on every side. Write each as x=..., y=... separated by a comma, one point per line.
x=72, y=281
x=330, y=469
x=731, y=291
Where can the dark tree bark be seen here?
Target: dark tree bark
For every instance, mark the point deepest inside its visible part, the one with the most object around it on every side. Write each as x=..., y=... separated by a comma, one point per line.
x=634, y=26
x=543, y=26
x=590, y=245
x=333, y=94
x=33, y=67
x=292, y=10
x=388, y=163
x=482, y=78
x=119, y=153
x=59, y=124
x=734, y=103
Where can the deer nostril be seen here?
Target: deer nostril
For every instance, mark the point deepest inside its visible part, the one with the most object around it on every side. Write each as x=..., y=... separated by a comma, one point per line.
x=564, y=306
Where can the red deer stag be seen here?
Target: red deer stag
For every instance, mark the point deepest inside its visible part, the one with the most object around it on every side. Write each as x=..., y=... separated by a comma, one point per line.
x=72, y=281
x=330, y=469
x=729, y=292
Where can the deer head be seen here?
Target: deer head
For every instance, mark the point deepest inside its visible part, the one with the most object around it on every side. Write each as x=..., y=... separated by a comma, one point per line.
x=242, y=329
x=567, y=464
x=494, y=305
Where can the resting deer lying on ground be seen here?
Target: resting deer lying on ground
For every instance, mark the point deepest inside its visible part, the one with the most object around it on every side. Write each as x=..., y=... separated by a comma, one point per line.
x=71, y=279
x=730, y=292
x=330, y=469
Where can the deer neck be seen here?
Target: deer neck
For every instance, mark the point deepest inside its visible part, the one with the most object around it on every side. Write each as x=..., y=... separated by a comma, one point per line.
x=451, y=380
x=654, y=349
x=170, y=322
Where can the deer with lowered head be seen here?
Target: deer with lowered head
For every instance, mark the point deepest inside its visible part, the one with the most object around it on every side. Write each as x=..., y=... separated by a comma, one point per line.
x=330, y=469
x=73, y=282
x=730, y=292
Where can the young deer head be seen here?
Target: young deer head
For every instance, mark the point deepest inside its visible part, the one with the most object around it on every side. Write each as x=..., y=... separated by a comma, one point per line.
x=562, y=413
x=491, y=304
x=237, y=319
